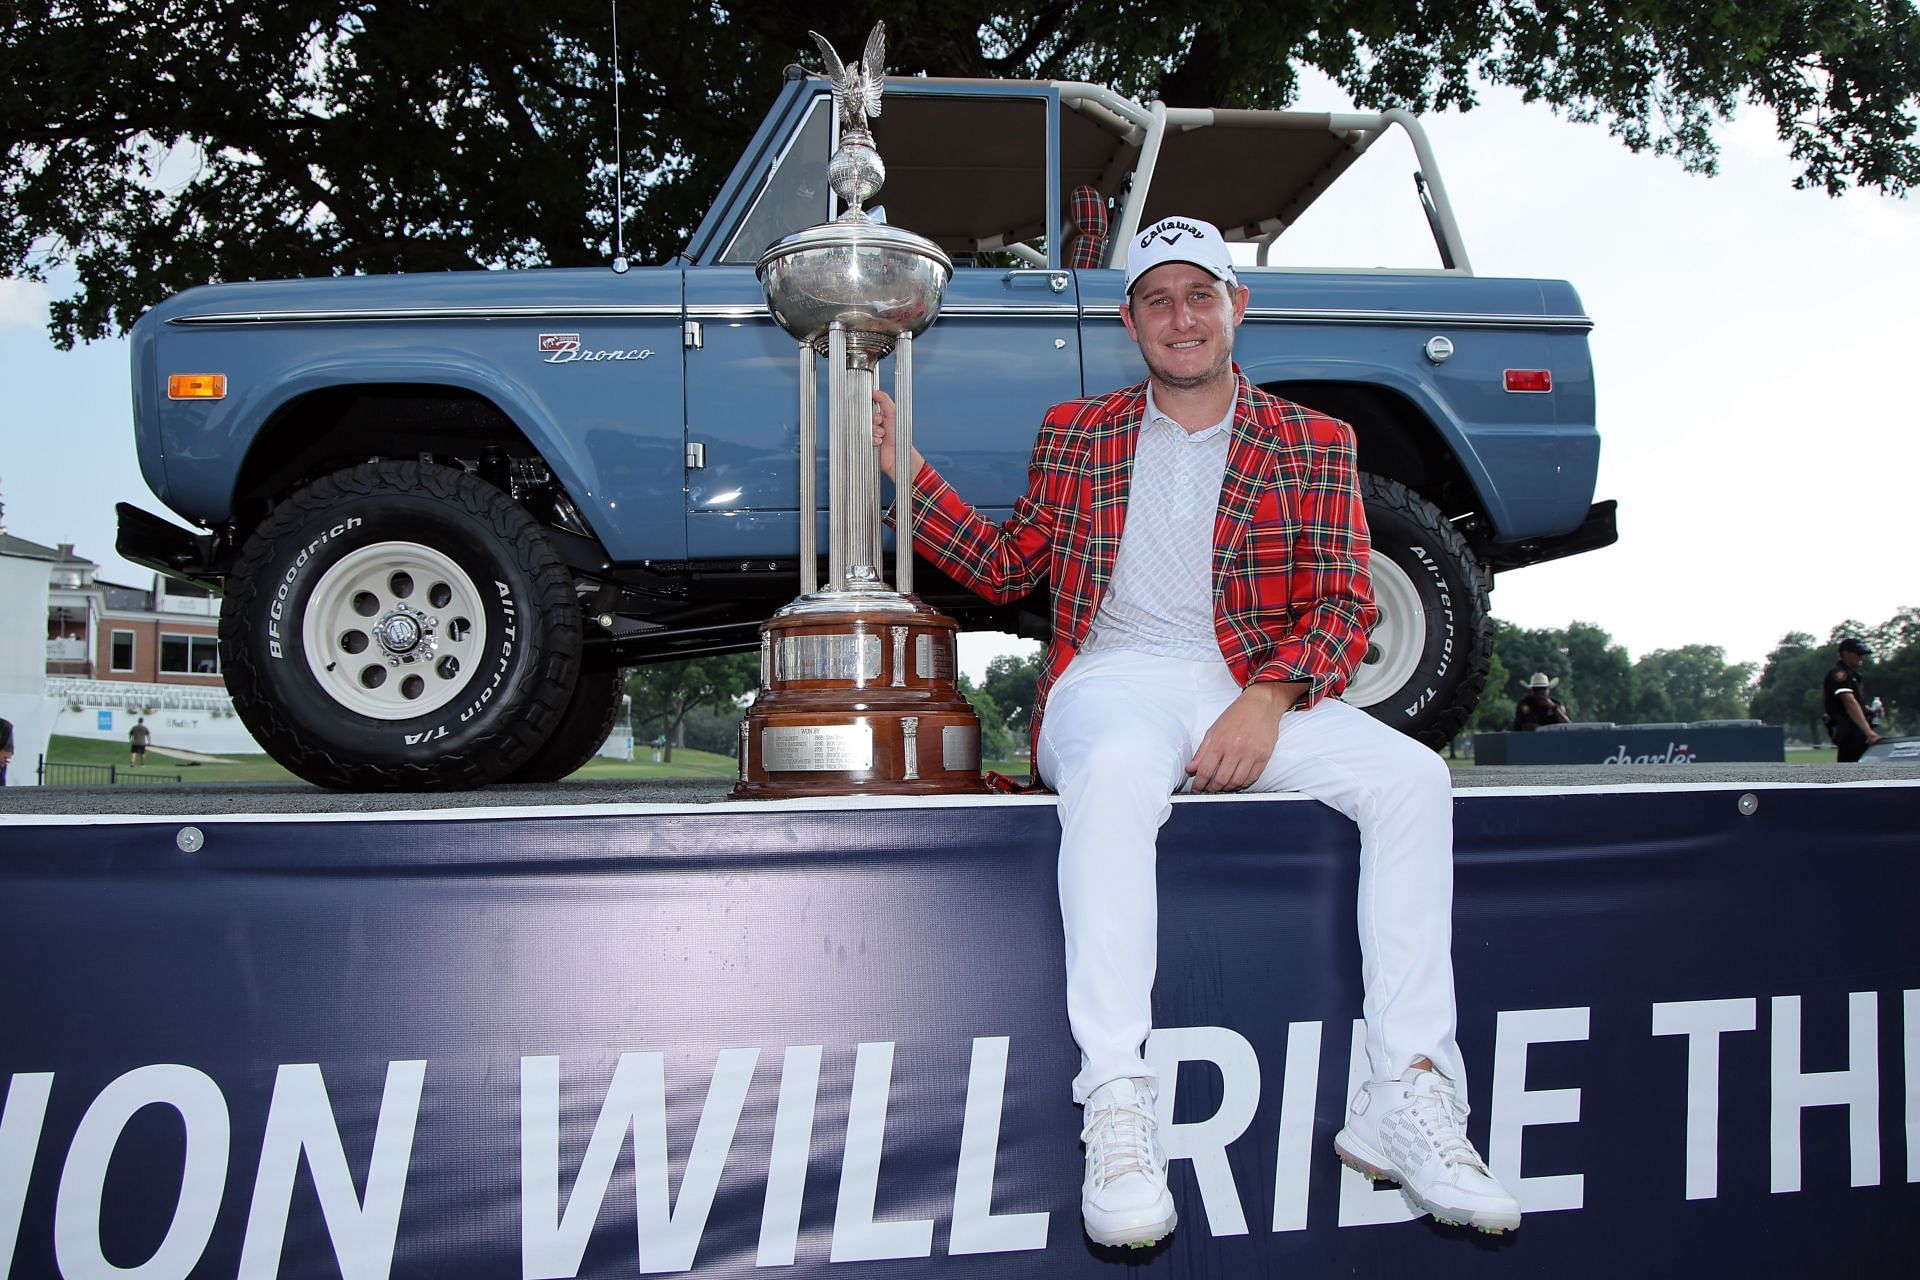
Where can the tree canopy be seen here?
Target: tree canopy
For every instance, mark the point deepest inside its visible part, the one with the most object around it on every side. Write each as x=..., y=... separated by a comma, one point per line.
x=151, y=146
x=665, y=693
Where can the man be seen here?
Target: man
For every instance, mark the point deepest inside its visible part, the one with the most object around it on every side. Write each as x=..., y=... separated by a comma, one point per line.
x=1539, y=706
x=6, y=748
x=137, y=739
x=1843, y=696
x=1207, y=553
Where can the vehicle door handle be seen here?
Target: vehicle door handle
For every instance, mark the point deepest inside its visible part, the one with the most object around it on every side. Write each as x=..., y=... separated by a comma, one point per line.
x=1056, y=279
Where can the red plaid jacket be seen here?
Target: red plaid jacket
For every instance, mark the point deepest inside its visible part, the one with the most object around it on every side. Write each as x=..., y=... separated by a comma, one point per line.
x=1291, y=596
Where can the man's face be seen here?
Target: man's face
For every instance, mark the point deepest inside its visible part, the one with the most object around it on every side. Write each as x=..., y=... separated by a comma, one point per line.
x=1852, y=659
x=1183, y=318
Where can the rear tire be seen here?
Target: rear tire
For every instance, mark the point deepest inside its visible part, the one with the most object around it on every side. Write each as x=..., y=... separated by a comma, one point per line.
x=400, y=626
x=1427, y=658
x=584, y=725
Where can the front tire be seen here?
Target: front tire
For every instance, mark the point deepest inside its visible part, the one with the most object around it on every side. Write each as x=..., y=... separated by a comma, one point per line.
x=1426, y=661
x=400, y=626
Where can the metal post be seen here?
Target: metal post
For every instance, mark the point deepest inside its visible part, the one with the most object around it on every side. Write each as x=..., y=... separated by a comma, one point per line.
x=809, y=455
x=903, y=464
x=862, y=475
x=836, y=462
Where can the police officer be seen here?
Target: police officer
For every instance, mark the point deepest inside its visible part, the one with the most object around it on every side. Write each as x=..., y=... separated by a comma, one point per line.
x=1844, y=697
x=1539, y=706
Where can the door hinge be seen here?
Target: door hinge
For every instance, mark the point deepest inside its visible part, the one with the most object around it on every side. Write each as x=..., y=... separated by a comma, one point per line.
x=694, y=336
x=696, y=455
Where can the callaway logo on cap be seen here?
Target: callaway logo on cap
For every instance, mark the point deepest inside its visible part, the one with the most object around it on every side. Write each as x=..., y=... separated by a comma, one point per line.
x=1180, y=240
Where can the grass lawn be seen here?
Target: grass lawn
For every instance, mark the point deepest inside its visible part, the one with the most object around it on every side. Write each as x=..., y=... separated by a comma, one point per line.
x=245, y=768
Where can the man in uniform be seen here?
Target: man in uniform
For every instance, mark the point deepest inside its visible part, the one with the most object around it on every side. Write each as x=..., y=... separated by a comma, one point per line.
x=1207, y=552
x=1843, y=695
x=1539, y=706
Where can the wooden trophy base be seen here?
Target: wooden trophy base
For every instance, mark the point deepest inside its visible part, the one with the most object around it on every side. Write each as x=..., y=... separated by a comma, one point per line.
x=858, y=697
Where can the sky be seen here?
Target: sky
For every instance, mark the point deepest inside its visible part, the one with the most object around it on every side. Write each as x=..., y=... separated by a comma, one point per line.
x=1752, y=346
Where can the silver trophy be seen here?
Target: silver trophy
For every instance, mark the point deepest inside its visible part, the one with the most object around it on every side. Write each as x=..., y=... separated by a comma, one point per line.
x=854, y=290
x=857, y=679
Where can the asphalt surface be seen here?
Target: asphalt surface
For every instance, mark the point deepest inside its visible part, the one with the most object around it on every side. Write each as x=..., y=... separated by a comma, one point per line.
x=168, y=800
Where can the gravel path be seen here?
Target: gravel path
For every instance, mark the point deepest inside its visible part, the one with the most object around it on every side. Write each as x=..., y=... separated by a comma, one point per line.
x=270, y=798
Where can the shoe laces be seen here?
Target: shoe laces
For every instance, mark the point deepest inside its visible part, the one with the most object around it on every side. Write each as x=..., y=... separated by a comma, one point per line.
x=1119, y=1138
x=1441, y=1117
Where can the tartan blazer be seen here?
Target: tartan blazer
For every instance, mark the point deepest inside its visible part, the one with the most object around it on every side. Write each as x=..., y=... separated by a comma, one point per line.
x=1292, y=600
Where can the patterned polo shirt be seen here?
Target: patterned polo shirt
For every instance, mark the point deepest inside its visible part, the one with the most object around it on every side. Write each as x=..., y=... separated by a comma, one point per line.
x=1161, y=598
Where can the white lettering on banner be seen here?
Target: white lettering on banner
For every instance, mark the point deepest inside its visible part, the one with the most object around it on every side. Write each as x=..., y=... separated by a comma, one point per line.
x=856, y=1236
x=1676, y=753
x=203, y=1177
x=1910, y=1002
x=787, y=1165
x=552, y=1243
x=1205, y=1142
x=300, y=1124
x=1857, y=1089
x=1703, y=1022
x=1517, y=1108
x=1363, y=1202
x=1293, y=1153
x=21, y=1118
x=976, y=1227
x=558, y=1218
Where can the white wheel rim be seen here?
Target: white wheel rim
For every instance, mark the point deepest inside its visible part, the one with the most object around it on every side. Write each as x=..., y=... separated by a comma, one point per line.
x=394, y=631
x=1395, y=647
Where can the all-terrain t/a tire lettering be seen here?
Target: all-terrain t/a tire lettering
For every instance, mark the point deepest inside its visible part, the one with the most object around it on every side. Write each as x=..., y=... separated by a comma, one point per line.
x=1427, y=658
x=400, y=626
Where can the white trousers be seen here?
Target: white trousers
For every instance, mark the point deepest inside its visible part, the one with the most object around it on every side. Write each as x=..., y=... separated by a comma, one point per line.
x=1119, y=730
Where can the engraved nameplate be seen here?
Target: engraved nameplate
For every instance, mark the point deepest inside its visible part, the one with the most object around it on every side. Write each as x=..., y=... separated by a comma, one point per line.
x=932, y=658
x=817, y=747
x=960, y=748
x=841, y=657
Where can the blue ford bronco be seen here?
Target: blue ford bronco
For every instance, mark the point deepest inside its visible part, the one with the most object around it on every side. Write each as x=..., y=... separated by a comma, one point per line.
x=444, y=511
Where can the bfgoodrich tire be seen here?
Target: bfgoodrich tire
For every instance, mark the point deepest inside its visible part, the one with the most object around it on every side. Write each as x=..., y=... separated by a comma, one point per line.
x=584, y=724
x=400, y=626
x=1426, y=660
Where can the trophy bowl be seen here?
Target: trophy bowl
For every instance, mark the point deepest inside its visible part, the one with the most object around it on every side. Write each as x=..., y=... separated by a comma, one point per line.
x=875, y=281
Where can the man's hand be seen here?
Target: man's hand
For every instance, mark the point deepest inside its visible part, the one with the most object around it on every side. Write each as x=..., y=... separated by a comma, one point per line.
x=1236, y=749
x=5, y=756
x=883, y=417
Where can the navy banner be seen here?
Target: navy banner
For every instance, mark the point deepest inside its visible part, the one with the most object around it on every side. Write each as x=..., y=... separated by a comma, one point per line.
x=802, y=1040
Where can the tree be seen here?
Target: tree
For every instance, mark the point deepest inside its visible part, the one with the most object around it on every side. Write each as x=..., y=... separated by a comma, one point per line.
x=156, y=145
x=1495, y=712
x=1011, y=683
x=1788, y=691
x=997, y=740
x=664, y=693
x=1895, y=674
x=1599, y=684
x=1693, y=682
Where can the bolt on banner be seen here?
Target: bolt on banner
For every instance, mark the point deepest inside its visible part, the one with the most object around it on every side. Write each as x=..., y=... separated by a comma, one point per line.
x=717, y=1043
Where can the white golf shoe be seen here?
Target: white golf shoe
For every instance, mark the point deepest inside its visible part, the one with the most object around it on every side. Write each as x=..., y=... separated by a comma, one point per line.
x=1413, y=1131
x=1124, y=1200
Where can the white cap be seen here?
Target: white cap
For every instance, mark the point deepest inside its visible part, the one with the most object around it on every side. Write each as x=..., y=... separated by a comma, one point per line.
x=1180, y=240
